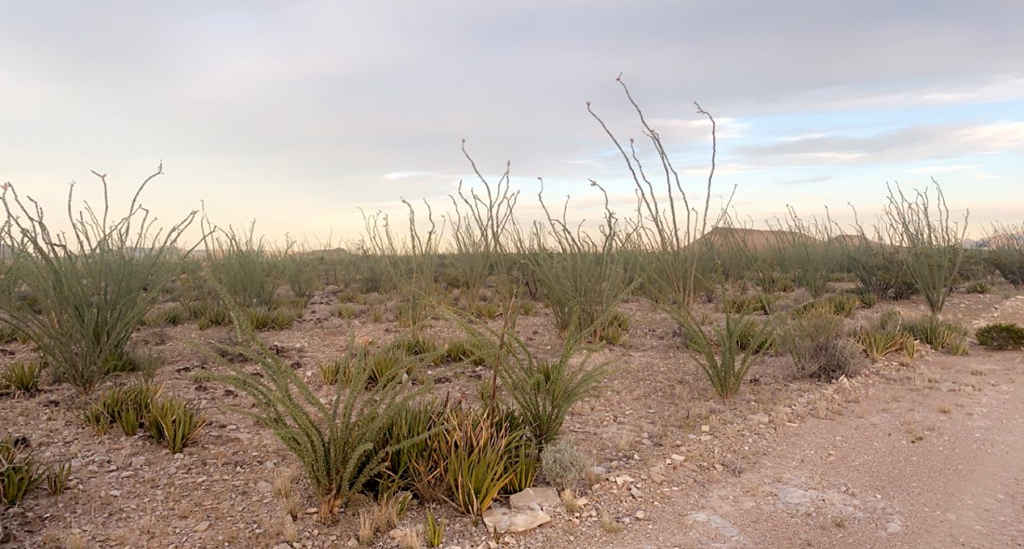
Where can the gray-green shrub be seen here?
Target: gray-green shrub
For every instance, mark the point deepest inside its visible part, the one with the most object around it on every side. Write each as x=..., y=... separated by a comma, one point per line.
x=90, y=288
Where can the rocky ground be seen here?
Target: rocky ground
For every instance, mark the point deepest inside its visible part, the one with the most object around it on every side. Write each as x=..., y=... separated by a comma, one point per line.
x=918, y=453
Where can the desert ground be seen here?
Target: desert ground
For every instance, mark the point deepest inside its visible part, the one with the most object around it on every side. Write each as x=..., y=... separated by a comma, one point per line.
x=912, y=453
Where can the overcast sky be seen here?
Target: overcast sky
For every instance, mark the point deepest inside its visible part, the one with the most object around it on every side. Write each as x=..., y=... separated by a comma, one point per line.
x=297, y=113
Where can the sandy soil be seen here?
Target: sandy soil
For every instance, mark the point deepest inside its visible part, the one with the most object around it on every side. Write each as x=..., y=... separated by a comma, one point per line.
x=921, y=453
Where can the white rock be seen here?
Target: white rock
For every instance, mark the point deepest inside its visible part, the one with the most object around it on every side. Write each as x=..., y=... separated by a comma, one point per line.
x=513, y=520
x=794, y=496
x=538, y=498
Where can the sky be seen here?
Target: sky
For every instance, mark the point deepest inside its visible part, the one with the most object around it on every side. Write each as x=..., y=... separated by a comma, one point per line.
x=300, y=115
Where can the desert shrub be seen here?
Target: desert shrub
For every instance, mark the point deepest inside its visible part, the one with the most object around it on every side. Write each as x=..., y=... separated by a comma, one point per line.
x=21, y=377
x=837, y=358
x=275, y=318
x=941, y=335
x=337, y=443
x=95, y=283
x=240, y=265
x=418, y=466
x=20, y=471
x=844, y=304
x=299, y=271
x=208, y=313
x=419, y=346
x=474, y=350
x=975, y=265
x=883, y=336
x=1010, y=264
x=1000, y=336
x=387, y=363
x=174, y=422
x=483, y=457
x=331, y=371
x=545, y=390
x=582, y=280
x=762, y=303
x=867, y=298
x=718, y=350
x=978, y=287
x=434, y=529
x=57, y=476
x=345, y=311
x=583, y=286
x=750, y=336
x=807, y=337
x=1006, y=252
x=564, y=465
x=167, y=314
x=168, y=419
x=879, y=271
x=932, y=243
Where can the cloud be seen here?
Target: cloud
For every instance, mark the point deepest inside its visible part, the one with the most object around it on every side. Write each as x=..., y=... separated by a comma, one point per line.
x=394, y=176
x=915, y=143
x=806, y=180
x=950, y=168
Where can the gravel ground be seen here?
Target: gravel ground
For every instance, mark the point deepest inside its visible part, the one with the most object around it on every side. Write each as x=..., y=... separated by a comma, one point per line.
x=921, y=453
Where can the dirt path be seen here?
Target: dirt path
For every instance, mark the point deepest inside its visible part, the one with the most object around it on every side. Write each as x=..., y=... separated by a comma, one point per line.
x=934, y=458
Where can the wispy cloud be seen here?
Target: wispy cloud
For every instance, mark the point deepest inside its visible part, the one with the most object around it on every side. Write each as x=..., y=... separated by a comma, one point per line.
x=805, y=180
x=910, y=144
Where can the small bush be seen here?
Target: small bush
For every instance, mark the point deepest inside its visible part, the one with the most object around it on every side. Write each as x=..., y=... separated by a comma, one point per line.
x=174, y=422
x=806, y=337
x=744, y=305
x=837, y=358
x=941, y=335
x=209, y=313
x=125, y=406
x=21, y=377
x=978, y=287
x=564, y=465
x=434, y=530
x=19, y=472
x=277, y=318
x=885, y=335
x=331, y=371
x=1000, y=336
x=167, y=314
x=479, y=460
x=345, y=311
x=336, y=442
x=57, y=477
x=418, y=345
x=476, y=351
x=750, y=336
x=725, y=353
x=844, y=304
x=545, y=390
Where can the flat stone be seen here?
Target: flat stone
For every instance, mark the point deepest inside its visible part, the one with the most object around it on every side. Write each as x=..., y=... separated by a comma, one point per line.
x=656, y=475
x=513, y=520
x=724, y=526
x=537, y=498
x=760, y=419
x=697, y=517
x=793, y=496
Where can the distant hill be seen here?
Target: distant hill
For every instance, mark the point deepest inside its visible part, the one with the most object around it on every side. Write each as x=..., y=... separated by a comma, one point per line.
x=755, y=240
